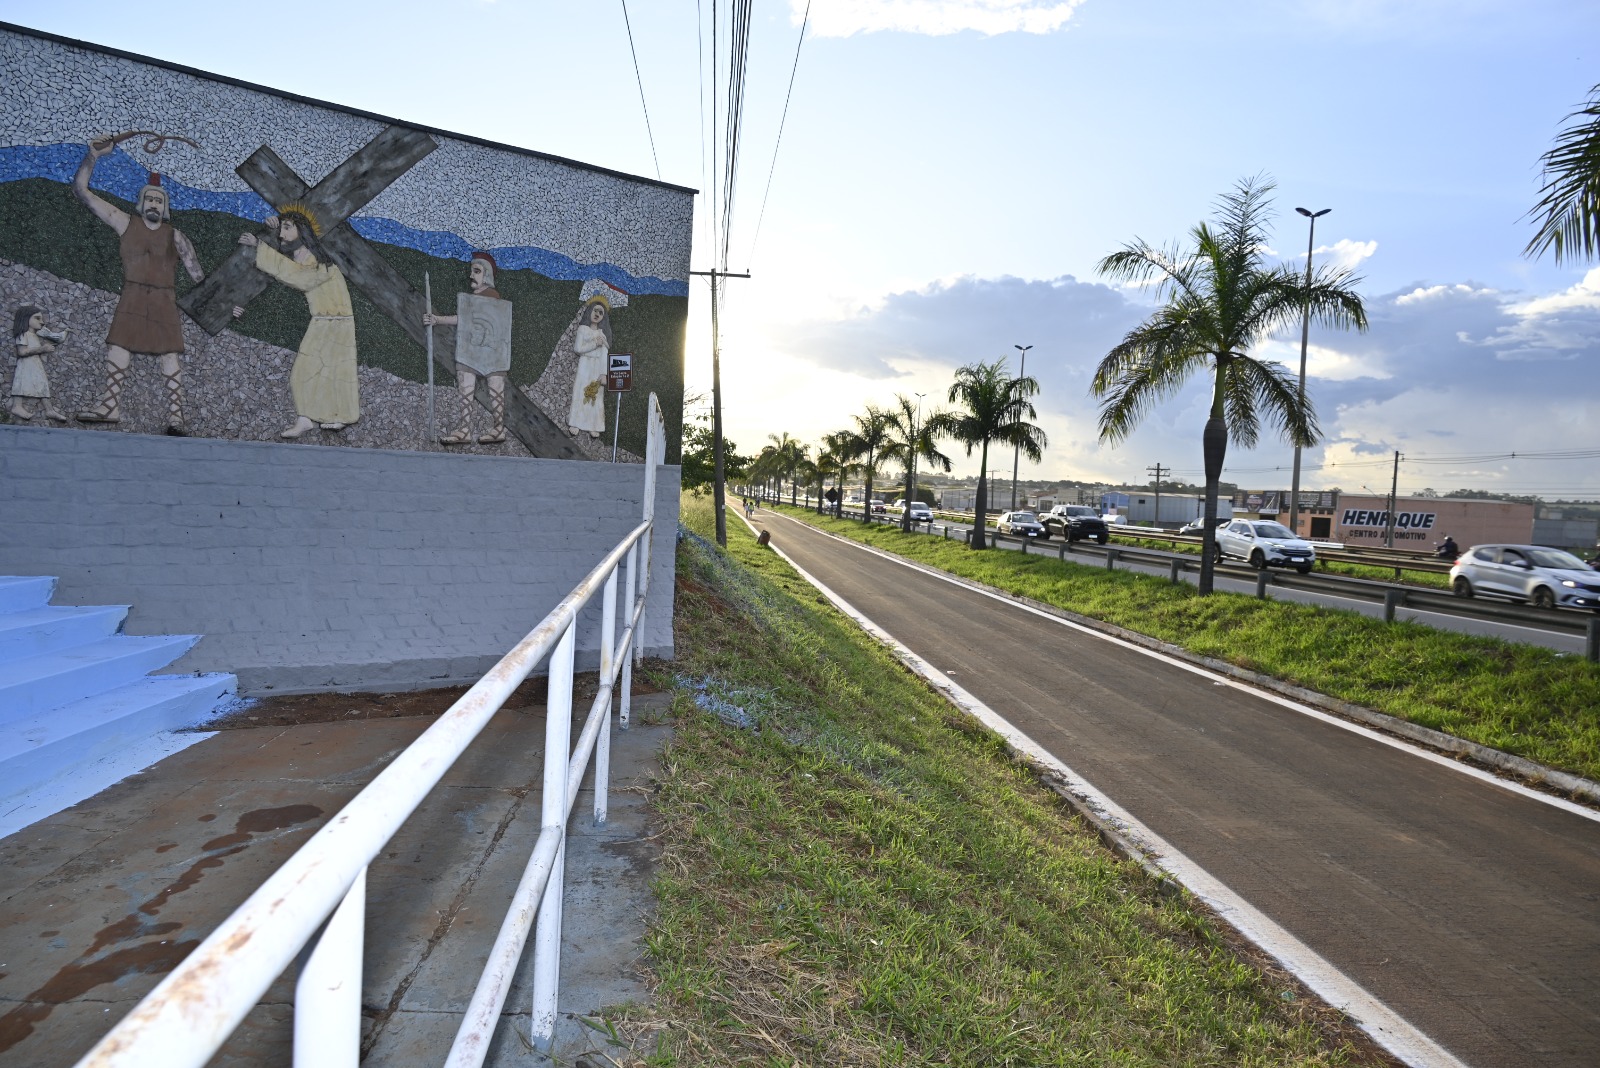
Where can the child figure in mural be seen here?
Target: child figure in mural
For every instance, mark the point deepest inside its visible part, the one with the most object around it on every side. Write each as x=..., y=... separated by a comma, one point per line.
x=323, y=379
x=30, y=380
x=483, y=347
x=146, y=319
x=572, y=389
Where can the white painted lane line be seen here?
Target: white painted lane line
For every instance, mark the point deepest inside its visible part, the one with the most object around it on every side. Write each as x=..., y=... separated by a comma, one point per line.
x=1510, y=785
x=1390, y=1030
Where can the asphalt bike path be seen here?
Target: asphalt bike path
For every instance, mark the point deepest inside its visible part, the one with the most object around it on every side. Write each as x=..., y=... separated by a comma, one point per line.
x=1468, y=907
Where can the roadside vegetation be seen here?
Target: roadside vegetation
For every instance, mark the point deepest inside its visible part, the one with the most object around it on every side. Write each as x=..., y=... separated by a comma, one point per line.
x=1520, y=699
x=856, y=873
x=1430, y=579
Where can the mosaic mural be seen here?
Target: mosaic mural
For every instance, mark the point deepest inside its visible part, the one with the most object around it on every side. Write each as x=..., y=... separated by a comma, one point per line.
x=186, y=254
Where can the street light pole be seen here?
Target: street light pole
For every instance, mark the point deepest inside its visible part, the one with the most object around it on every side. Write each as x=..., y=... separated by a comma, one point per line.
x=1016, y=450
x=911, y=469
x=1305, y=335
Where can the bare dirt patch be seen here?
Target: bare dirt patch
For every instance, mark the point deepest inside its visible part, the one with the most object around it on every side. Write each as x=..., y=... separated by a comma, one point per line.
x=290, y=710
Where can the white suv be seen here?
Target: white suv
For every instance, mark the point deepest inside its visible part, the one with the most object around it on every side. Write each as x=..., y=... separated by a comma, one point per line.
x=1262, y=543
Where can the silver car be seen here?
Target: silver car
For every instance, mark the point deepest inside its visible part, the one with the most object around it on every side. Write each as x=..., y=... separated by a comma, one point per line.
x=1546, y=577
x=1020, y=524
x=1262, y=543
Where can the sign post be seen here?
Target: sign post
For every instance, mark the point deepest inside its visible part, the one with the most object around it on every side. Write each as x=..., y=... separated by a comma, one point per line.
x=619, y=380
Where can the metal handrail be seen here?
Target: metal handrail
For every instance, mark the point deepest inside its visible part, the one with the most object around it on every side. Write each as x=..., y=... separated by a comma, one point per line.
x=316, y=902
x=185, y=1019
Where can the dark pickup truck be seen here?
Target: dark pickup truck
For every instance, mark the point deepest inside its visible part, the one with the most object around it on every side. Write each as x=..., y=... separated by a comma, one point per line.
x=1075, y=522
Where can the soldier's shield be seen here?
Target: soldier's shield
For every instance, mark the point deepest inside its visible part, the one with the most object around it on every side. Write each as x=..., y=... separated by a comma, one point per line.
x=483, y=333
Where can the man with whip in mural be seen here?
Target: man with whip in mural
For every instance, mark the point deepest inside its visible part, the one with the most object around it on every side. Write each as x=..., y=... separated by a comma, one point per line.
x=146, y=319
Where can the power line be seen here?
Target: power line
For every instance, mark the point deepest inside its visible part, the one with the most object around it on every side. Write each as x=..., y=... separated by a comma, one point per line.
x=781, y=122
x=640, y=79
x=700, y=70
x=738, y=63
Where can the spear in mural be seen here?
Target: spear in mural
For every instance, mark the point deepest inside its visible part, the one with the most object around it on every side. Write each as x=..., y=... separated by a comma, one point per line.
x=427, y=300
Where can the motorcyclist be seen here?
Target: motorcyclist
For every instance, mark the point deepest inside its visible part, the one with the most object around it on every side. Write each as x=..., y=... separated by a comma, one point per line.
x=1448, y=550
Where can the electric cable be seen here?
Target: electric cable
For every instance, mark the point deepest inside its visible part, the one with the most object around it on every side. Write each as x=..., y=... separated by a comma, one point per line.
x=781, y=123
x=640, y=79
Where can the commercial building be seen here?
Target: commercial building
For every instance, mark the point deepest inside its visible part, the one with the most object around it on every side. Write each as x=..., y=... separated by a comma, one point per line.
x=1418, y=522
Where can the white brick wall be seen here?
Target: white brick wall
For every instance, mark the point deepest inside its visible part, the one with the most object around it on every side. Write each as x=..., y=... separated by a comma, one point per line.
x=314, y=568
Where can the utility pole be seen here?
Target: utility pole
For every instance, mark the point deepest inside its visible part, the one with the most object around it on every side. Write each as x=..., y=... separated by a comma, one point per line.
x=1394, y=486
x=1016, y=450
x=719, y=496
x=1158, y=470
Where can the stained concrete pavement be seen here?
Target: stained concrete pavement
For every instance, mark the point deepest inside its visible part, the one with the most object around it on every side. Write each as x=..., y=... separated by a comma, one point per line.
x=99, y=902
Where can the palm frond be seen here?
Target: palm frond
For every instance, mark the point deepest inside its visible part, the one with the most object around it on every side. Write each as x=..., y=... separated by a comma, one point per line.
x=1568, y=210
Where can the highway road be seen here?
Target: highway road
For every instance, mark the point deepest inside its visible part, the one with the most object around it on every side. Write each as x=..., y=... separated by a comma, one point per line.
x=1468, y=907
x=1561, y=641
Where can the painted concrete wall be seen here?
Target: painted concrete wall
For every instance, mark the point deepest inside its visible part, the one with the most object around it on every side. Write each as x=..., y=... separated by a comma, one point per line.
x=311, y=569
x=330, y=346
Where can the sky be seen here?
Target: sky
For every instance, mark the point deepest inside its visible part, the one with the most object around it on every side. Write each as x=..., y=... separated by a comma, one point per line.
x=950, y=172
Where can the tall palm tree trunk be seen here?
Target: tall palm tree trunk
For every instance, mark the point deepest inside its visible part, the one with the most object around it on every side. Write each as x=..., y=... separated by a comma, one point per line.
x=980, y=520
x=866, y=496
x=1215, y=442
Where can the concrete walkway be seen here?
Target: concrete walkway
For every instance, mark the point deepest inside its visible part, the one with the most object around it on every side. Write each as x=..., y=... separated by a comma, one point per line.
x=99, y=902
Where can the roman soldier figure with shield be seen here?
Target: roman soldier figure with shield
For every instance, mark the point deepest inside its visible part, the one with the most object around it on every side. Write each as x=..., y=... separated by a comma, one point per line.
x=483, y=347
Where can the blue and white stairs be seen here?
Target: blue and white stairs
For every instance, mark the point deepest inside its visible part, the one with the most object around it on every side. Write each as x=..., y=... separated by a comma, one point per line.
x=79, y=709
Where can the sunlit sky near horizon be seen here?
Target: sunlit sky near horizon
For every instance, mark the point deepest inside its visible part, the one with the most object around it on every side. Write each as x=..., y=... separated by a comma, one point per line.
x=951, y=171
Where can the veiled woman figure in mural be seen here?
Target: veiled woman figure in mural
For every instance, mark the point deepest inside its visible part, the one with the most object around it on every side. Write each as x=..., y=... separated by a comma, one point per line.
x=572, y=389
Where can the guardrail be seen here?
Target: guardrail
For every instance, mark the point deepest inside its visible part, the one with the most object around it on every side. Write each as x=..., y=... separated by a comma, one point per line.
x=1392, y=596
x=315, y=903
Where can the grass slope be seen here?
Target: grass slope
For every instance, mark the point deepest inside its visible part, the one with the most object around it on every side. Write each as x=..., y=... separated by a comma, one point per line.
x=856, y=873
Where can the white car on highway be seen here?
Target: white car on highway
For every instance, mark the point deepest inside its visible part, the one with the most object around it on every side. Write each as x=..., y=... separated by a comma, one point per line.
x=1546, y=577
x=1263, y=543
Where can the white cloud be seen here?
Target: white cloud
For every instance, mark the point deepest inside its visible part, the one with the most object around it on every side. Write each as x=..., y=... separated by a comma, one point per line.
x=845, y=18
x=1345, y=254
x=1332, y=365
x=1585, y=295
x=1442, y=292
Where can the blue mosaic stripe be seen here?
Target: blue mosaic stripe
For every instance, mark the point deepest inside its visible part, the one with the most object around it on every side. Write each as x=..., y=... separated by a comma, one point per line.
x=120, y=176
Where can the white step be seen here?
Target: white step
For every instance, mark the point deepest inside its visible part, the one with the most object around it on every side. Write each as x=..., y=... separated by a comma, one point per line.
x=59, y=743
x=57, y=679
x=18, y=592
x=86, y=780
x=51, y=629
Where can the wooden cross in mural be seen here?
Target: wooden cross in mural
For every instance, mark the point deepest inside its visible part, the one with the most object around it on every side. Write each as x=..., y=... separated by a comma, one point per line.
x=345, y=190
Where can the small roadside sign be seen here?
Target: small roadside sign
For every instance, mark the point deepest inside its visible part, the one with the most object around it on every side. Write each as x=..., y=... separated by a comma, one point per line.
x=619, y=375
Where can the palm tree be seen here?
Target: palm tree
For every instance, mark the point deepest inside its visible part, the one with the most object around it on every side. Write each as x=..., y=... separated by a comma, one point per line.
x=766, y=468
x=911, y=439
x=809, y=474
x=865, y=445
x=790, y=452
x=993, y=407
x=1220, y=300
x=836, y=447
x=1569, y=210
